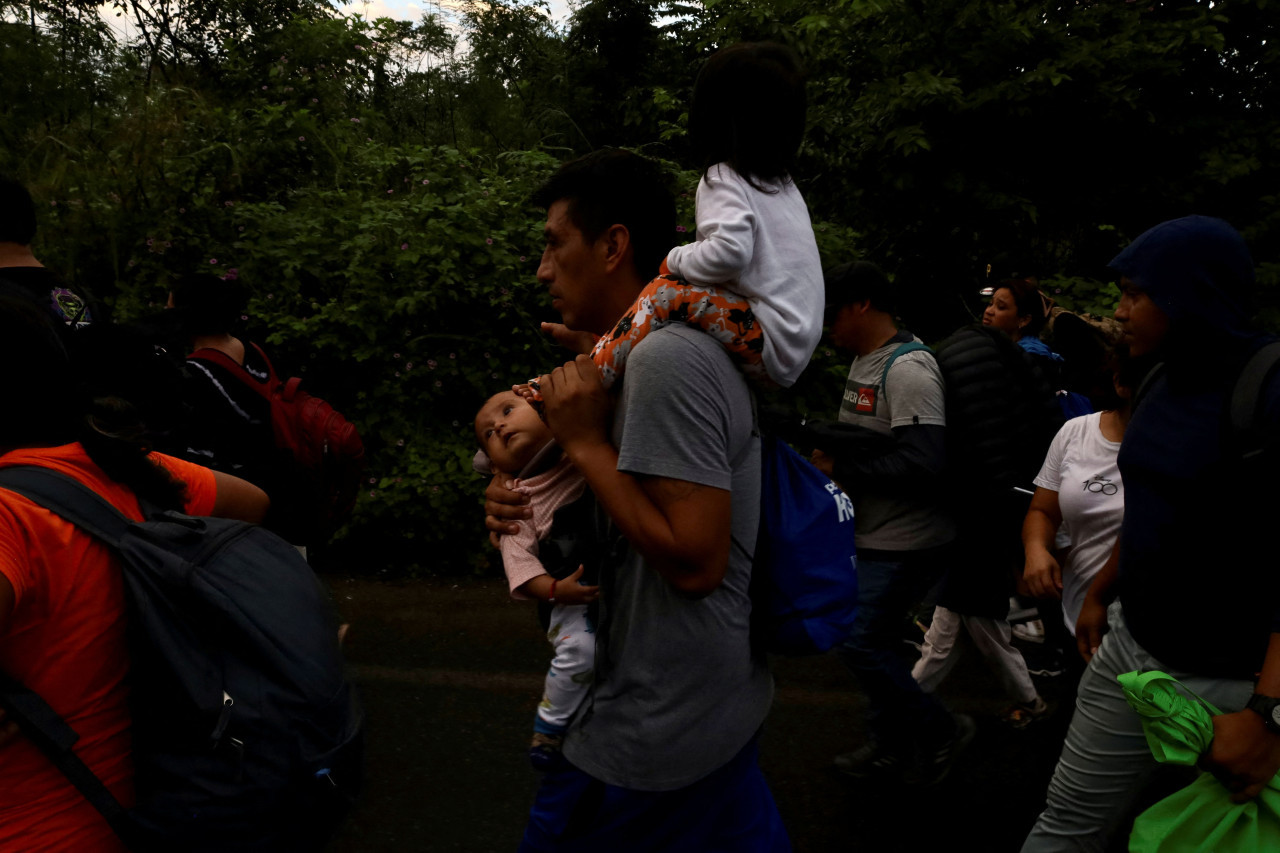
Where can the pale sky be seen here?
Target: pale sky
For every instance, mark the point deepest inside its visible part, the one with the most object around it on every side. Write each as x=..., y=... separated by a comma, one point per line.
x=402, y=10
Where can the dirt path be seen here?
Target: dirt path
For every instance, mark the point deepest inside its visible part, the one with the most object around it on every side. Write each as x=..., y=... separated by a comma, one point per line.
x=450, y=672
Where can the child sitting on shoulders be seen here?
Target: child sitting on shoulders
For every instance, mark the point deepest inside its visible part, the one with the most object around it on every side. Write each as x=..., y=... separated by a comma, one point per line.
x=753, y=279
x=519, y=444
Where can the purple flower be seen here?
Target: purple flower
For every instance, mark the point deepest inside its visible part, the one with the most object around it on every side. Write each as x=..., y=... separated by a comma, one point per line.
x=431, y=364
x=373, y=494
x=439, y=384
x=389, y=192
x=355, y=120
x=213, y=260
x=488, y=241
x=453, y=355
x=228, y=204
x=315, y=100
x=486, y=355
x=409, y=366
x=150, y=241
x=302, y=139
x=373, y=480
x=435, y=488
x=182, y=210
x=234, y=271
x=264, y=88
x=131, y=263
x=404, y=246
x=244, y=317
x=681, y=229
x=395, y=355
x=425, y=181
x=400, y=443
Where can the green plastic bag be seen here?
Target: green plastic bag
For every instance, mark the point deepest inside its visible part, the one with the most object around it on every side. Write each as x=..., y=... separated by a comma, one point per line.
x=1201, y=816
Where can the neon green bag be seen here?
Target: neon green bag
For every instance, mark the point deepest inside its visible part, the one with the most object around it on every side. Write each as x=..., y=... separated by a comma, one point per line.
x=1201, y=816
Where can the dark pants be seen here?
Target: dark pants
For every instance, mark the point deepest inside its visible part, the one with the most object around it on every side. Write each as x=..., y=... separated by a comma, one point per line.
x=729, y=811
x=889, y=585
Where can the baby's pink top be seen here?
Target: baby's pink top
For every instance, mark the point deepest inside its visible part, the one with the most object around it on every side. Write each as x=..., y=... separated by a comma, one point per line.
x=548, y=491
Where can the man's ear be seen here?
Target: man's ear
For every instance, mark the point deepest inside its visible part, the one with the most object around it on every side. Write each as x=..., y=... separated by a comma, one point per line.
x=615, y=247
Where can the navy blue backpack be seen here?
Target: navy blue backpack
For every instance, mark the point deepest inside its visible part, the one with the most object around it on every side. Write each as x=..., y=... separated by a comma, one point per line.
x=247, y=735
x=804, y=577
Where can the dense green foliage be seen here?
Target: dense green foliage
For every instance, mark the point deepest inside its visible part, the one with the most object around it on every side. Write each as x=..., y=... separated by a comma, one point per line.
x=368, y=179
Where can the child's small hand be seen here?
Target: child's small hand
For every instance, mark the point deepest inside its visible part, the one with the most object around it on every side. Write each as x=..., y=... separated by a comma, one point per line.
x=569, y=591
x=527, y=390
x=579, y=342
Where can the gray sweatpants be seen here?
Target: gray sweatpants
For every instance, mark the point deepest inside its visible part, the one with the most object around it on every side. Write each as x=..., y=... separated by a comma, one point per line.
x=1105, y=761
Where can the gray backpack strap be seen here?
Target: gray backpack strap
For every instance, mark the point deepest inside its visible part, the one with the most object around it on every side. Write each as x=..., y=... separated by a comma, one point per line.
x=1248, y=391
x=68, y=498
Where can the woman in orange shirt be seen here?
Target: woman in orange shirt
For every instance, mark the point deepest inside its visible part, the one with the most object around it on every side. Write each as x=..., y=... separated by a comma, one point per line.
x=62, y=607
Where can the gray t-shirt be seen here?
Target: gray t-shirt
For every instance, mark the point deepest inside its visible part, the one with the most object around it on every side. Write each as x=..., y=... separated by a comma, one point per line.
x=677, y=691
x=897, y=520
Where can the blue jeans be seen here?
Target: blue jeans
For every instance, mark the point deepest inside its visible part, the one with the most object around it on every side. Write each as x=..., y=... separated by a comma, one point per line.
x=729, y=811
x=901, y=713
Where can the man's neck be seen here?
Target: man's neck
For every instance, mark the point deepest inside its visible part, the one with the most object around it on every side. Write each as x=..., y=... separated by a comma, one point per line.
x=17, y=255
x=619, y=294
x=880, y=330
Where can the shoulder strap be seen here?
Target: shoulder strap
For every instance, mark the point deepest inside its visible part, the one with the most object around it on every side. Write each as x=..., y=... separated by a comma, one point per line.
x=78, y=504
x=237, y=370
x=53, y=737
x=68, y=498
x=903, y=349
x=1248, y=388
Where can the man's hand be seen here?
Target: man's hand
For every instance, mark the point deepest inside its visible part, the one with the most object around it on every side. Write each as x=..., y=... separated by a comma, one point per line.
x=1244, y=755
x=580, y=342
x=824, y=463
x=1042, y=574
x=1090, y=626
x=505, y=503
x=8, y=729
x=570, y=591
x=576, y=405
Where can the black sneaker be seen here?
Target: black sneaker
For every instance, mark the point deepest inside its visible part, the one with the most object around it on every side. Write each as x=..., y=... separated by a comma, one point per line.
x=871, y=761
x=545, y=751
x=933, y=765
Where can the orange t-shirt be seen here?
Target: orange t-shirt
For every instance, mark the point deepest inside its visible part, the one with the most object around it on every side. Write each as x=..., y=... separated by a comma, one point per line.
x=65, y=640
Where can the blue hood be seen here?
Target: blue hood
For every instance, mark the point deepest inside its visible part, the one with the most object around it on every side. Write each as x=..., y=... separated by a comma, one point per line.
x=1198, y=270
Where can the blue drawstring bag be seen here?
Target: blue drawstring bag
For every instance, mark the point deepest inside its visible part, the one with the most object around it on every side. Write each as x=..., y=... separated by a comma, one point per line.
x=804, y=577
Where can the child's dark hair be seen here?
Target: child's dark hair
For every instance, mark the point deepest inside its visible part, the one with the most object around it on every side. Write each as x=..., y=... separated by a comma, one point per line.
x=748, y=111
x=617, y=187
x=49, y=403
x=207, y=304
x=17, y=213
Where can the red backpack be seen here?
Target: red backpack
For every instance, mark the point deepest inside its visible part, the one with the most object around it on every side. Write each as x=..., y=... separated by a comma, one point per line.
x=325, y=446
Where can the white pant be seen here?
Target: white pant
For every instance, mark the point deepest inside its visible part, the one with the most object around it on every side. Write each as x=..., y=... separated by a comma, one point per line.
x=942, y=647
x=1106, y=761
x=574, y=639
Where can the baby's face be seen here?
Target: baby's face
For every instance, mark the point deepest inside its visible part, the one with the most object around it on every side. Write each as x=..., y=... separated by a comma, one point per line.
x=510, y=431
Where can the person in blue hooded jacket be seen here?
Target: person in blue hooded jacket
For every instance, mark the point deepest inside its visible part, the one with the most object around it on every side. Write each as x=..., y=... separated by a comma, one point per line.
x=1197, y=586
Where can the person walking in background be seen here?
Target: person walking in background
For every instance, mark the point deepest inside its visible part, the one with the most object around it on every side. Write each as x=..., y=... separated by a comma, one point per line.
x=21, y=273
x=1197, y=592
x=889, y=456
